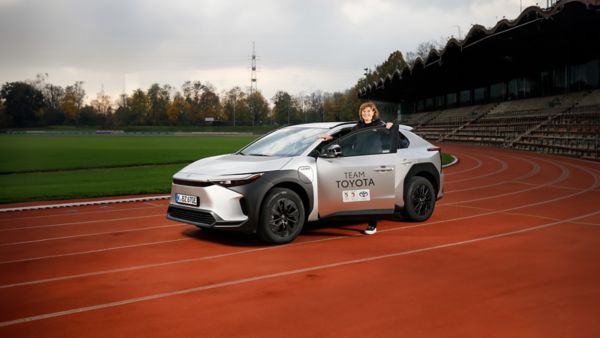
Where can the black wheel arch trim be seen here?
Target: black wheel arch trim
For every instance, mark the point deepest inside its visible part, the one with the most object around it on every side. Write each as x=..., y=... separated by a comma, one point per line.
x=426, y=170
x=255, y=192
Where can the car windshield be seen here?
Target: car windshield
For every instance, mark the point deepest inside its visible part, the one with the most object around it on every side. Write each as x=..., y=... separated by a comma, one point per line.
x=291, y=141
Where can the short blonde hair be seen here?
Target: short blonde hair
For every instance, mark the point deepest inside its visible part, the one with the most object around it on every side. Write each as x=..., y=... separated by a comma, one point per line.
x=368, y=104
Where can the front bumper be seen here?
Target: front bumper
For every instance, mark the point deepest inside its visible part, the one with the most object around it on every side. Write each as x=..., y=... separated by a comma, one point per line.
x=218, y=207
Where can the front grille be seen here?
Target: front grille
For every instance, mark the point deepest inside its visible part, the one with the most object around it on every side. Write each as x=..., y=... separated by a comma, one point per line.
x=191, y=183
x=192, y=216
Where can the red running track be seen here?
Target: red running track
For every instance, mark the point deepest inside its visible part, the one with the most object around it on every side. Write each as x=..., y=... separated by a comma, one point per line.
x=512, y=250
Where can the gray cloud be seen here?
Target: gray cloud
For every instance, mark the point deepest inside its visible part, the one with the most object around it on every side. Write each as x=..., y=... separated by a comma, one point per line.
x=114, y=42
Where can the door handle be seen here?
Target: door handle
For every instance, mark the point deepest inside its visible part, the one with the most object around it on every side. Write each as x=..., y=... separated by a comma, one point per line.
x=406, y=161
x=383, y=170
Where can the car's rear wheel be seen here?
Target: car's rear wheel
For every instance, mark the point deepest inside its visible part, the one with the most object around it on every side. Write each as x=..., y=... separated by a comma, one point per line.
x=419, y=199
x=282, y=216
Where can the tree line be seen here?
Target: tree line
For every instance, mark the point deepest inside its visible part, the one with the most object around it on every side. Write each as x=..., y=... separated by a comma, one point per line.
x=37, y=103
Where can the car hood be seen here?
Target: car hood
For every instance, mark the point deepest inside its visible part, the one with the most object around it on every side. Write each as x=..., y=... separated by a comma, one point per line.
x=222, y=165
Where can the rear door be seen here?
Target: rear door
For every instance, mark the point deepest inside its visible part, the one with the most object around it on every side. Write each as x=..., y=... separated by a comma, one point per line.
x=362, y=179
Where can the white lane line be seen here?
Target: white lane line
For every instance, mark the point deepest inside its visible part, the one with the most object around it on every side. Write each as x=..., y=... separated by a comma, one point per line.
x=181, y=261
x=83, y=222
x=79, y=204
x=282, y=274
x=534, y=171
x=565, y=174
x=138, y=267
x=94, y=251
x=75, y=212
x=503, y=167
x=94, y=234
x=478, y=164
x=592, y=187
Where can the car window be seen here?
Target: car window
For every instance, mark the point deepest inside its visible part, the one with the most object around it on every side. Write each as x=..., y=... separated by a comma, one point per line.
x=291, y=141
x=403, y=141
x=369, y=141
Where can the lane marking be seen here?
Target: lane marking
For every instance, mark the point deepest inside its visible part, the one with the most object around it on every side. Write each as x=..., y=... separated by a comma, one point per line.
x=478, y=162
x=281, y=274
x=101, y=210
x=94, y=234
x=503, y=167
x=491, y=212
x=94, y=251
x=564, y=176
x=181, y=261
x=82, y=222
x=79, y=204
x=138, y=267
x=534, y=170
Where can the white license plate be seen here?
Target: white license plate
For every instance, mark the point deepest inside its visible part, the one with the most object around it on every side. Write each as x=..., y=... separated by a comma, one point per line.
x=186, y=199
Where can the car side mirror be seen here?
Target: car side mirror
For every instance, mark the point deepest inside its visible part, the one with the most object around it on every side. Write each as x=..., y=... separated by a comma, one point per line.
x=333, y=150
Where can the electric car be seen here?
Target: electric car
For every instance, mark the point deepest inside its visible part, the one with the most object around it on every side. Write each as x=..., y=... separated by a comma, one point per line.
x=291, y=176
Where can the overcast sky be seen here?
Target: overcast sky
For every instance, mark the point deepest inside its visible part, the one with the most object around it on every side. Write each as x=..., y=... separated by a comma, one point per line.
x=301, y=46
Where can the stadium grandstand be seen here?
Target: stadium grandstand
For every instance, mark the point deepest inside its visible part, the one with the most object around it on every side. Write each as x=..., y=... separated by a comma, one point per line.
x=532, y=83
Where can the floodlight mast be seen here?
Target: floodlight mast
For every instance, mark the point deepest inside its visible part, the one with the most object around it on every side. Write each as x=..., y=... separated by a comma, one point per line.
x=253, y=72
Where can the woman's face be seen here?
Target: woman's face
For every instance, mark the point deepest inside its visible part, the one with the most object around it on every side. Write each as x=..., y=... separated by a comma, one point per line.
x=367, y=114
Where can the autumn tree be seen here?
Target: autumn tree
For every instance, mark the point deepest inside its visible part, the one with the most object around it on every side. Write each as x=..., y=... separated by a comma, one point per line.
x=286, y=109
x=423, y=50
x=159, y=99
x=235, y=107
x=394, y=61
x=258, y=108
x=72, y=101
x=333, y=105
x=210, y=104
x=313, y=106
x=123, y=114
x=177, y=109
x=102, y=103
x=21, y=102
x=138, y=106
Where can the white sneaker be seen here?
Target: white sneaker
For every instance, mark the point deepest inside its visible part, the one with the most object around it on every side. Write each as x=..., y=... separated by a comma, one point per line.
x=371, y=229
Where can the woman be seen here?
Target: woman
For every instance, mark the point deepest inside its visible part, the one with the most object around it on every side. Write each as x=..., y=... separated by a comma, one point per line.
x=368, y=115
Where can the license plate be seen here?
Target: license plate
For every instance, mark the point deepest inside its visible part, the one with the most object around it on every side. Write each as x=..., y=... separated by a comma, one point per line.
x=186, y=199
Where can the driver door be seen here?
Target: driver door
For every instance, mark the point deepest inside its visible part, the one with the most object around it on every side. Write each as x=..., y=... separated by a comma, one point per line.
x=360, y=180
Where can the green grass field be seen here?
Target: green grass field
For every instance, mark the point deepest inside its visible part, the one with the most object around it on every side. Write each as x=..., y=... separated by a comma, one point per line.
x=36, y=167
x=34, y=153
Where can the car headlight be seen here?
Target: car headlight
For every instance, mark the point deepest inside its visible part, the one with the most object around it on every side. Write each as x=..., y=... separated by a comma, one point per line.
x=235, y=180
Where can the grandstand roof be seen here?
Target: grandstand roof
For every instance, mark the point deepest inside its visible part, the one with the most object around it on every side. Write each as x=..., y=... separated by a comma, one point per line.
x=537, y=40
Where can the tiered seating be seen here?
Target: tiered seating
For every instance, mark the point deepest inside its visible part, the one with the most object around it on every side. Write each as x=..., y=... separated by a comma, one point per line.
x=565, y=124
x=574, y=133
x=593, y=99
x=417, y=119
x=449, y=120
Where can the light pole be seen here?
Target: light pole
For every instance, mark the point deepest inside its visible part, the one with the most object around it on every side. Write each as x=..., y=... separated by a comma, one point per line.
x=234, y=99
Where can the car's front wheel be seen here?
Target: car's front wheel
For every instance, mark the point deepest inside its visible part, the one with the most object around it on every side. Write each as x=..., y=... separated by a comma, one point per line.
x=419, y=199
x=282, y=216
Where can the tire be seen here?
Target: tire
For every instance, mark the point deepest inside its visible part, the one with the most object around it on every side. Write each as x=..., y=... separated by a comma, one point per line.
x=281, y=216
x=419, y=199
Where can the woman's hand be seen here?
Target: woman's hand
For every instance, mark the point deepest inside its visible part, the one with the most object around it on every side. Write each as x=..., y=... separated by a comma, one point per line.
x=389, y=125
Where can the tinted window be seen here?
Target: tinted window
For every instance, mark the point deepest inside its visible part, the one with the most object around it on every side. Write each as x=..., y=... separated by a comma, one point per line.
x=369, y=141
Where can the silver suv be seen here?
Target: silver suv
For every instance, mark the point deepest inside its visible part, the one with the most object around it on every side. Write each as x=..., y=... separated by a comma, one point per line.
x=277, y=183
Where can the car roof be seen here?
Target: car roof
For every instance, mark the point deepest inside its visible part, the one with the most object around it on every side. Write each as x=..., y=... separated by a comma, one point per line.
x=331, y=125
x=325, y=125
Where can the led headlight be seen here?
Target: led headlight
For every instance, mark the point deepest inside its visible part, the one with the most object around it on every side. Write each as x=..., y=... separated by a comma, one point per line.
x=235, y=180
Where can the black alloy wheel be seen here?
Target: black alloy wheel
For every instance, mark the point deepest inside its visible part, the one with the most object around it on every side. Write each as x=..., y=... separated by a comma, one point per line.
x=282, y=216
x=419, y=199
